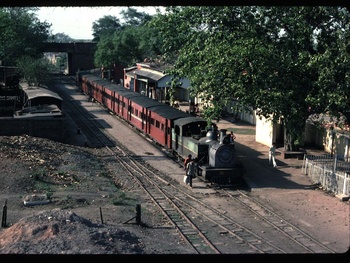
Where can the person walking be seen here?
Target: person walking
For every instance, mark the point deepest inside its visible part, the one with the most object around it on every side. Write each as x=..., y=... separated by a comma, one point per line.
x=272, y=155
x=187, y=160
x=189, y=172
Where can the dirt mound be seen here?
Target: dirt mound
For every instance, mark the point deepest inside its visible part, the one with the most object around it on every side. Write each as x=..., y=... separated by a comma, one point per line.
x=63, y=232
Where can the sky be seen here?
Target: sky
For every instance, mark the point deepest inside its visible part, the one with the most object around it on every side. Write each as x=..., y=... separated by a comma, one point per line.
x=76, y=22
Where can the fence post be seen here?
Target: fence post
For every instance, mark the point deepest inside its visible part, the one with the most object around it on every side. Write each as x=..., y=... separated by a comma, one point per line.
x=335, y=163
x=4, y=215
x=138, y=214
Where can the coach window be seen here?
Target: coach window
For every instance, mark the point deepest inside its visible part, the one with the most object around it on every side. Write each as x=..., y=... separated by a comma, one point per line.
x=162, y=127
x=152, y=121
x=157, y=124
x=132, y=109
x=137, y=113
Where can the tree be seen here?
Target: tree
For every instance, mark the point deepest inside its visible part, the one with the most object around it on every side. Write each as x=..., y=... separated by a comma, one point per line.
x=61, y=37
x=21, y=34
x=105, y=26
x=131, y=43
x=135, y=18
x=35, y=71
x=274, y=59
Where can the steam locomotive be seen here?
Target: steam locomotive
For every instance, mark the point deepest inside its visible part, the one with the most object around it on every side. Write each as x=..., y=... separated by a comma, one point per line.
x=173, y=129
x=215, y=156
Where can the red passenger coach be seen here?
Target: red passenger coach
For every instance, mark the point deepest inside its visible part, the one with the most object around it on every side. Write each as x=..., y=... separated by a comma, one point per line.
x=90, y=85
x=126, y=98
x=82, y=82
x=139, y=109
x=157, y=119
x=98, y=89
x=110, y=101
x=161, y=121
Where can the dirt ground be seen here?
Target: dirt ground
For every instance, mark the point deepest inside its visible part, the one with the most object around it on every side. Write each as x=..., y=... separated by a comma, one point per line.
x=89, y=212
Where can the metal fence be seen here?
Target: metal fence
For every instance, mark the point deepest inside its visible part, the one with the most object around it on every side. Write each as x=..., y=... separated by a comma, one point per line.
x=330, y=171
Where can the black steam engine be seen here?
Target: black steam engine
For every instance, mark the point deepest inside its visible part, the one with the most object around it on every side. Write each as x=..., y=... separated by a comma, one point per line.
x=216, y=158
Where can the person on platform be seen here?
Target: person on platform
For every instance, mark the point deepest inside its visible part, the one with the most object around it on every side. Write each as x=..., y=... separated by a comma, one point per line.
x=187, y=160
x=272, y=155
x=232, y=137
x=190, y=169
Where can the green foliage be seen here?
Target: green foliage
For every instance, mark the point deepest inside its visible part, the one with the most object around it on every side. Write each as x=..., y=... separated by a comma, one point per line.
x=22, y=37
x=34, y=71
x=284, y=62
x=21, y=34
x=60, y=37
x=105, y=26
x=131, y=43
x=134, y=18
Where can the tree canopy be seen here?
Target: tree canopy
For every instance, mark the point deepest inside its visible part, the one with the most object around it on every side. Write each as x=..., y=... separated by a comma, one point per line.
x=284, y=62
x=105, y=26
x=127, y=44
x=21, y=34
x=21, y=40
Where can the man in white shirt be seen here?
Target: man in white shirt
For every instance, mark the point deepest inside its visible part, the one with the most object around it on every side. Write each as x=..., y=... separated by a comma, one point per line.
x=272, y=154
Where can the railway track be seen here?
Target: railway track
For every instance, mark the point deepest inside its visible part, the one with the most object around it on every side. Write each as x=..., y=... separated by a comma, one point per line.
x=277, y=222
x=206, y=228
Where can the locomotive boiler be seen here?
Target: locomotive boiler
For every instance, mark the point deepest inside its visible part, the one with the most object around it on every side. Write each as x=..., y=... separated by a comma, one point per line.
x=221, y=165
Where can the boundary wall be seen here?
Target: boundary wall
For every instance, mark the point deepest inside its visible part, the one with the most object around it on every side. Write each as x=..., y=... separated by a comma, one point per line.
x=50, y=128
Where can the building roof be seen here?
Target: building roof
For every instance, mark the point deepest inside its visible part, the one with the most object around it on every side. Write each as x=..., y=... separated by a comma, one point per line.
x=147, y=73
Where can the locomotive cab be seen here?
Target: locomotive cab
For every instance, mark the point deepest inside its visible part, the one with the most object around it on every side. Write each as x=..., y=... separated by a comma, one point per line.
x=185, y=137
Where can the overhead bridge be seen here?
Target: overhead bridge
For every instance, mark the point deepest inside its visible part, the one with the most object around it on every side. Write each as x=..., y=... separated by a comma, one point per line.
x=80, y=54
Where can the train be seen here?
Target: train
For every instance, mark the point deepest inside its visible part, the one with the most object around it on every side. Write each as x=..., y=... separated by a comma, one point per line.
x=38, y=101
x=177, y=131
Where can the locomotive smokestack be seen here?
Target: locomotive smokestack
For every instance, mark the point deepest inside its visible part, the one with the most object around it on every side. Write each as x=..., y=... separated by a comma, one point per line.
x=222, y=135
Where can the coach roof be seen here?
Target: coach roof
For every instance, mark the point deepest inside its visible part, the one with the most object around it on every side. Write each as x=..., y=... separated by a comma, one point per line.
x=38, y=91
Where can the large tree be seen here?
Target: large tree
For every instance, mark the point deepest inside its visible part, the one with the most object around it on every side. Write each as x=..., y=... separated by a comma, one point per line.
x=105, y=26
x=282, y=61
x=131, y=43
x=21, y=34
